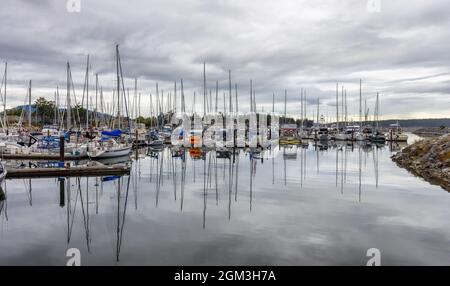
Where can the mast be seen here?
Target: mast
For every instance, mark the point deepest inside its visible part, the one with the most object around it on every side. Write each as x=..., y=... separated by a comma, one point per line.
x=58, y=119
x=254, y=101
x=29, y=106
x=4, y=96
x=304, y=98
x=204, y=89
x=151, y=111
x=175, y=98
x=135, y=99
x=193, y=105
x=102, y=106
x=69, y=111
x=229, y=82
x=157, y=107
x=217, y=96
x=346, y=113
x=337, y=107
x=55, y=111
x=183, y=106
x=273, y=102
x=224, y=104
x=301, y=111
x=87, y=93
x=318, y=102
x=118, y=87
x=342, y=108
x=378, y=111
x=360, y=106
x=235, y=88
x=366, y=112
x=96, y=100
x=251, y=96
x=285, y=97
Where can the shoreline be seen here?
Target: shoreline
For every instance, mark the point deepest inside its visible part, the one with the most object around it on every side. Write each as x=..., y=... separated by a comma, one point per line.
x=429, y=159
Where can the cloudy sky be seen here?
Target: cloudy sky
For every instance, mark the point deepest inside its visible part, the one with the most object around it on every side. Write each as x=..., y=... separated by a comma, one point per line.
x=402, y=51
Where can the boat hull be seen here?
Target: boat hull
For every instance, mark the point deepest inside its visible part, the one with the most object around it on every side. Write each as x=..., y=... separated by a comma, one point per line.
x=97, y=154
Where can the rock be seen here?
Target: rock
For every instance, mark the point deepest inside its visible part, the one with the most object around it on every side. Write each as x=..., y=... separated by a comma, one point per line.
x=429, y=159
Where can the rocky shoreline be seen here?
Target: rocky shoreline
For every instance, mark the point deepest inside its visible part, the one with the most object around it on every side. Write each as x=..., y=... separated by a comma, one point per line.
x=429, y=159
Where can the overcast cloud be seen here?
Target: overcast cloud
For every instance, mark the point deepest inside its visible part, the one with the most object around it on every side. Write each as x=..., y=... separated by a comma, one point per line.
x=401, y=52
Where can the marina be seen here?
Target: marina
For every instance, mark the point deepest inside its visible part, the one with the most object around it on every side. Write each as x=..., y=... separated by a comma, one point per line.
x=224, y=133
x=304, y=196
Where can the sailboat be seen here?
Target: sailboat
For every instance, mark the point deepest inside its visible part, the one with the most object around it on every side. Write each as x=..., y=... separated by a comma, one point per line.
x=108, y=146
x=377, y=136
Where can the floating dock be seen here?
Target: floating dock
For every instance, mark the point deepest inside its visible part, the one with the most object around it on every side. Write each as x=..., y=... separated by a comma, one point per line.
x=72, y=171
x=43, y=156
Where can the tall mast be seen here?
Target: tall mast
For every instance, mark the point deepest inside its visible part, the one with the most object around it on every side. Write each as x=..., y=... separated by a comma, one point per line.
x=365, y=112
x=157, y=106
x=29, y=106
x=69, y=111
x=342, y=108
x=235, y=88
x=301, y=110
x=139, y=106
x=318, y=102
x=285, y=97
x=96, y=100
x=102, y=106
x=378, y=111
x=337, y=107
x=251, y=96
x=217, y=97
x=87, y=93
x=118, y=87
x=183, y=104
x=135, y=99
x=304, y=99
x=273, y=102
x=224, y=103
x=204, y=89
x=175, y=98
x=4, y=97
x=360, y=106
x=254, y=101
x=229, y=82
x=54, y=111
x=193, y=105
x=346, y=112
x=58, y=120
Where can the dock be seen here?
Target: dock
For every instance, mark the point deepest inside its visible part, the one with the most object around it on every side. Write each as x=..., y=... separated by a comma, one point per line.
x=43, y=156
x=73, y=171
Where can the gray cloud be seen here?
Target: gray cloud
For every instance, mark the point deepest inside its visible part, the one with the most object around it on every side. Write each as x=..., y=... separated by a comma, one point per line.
x=401, y=52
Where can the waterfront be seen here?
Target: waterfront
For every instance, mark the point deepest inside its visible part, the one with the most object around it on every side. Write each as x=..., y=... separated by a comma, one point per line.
x=305, y=206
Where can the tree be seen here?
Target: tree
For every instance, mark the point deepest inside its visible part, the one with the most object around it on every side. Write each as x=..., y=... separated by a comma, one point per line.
x=45, y=110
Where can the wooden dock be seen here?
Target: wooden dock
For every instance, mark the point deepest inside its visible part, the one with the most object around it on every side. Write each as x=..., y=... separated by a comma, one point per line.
x=38, y=156
x=73, y=171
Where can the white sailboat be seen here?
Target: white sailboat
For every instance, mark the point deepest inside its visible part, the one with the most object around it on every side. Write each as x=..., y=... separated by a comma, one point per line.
x=109, y=148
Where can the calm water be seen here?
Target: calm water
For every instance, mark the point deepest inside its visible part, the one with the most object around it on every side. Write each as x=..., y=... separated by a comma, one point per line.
x=302, y=206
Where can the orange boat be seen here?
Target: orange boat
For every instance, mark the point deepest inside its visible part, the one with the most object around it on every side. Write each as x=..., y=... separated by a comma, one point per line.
x=195, y=153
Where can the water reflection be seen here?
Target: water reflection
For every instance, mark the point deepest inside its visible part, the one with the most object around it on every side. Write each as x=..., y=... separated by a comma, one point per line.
x=236, y=194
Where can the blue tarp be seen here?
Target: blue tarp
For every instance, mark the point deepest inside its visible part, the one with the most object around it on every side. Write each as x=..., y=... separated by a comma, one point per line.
x=110, y=178
x=114, y=133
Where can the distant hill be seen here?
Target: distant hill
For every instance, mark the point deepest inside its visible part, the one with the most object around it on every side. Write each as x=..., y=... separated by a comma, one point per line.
x=431, y=122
